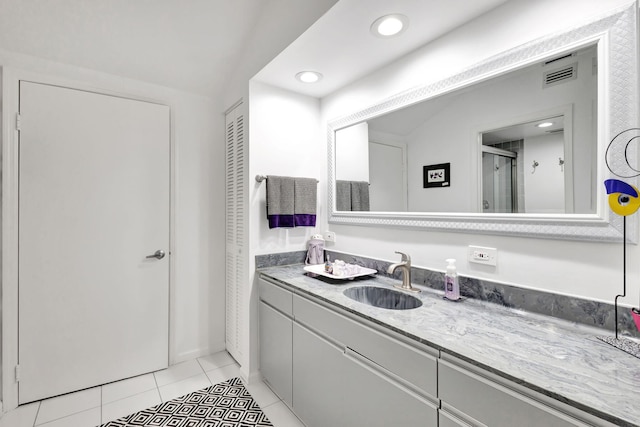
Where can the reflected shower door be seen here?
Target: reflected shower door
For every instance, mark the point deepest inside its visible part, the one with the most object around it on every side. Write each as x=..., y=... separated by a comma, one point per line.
x=499, y=189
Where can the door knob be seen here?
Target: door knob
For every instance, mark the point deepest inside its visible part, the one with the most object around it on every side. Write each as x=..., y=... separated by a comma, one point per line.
x=159, y=254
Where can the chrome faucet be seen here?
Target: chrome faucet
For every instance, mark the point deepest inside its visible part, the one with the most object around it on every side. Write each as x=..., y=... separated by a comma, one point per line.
x=405, y=266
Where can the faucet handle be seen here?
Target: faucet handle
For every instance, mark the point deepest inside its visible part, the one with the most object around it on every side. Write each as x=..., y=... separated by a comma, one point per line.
x=405, y=257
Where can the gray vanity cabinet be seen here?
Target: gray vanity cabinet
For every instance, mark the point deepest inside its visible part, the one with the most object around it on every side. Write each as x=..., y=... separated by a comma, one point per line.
x=447, y=420
x=340, y=369
x=318, y=371
x=276, y=334
x=335, y=370
x=471, y=396
x=335, y=385
x=376, y=399
x=331, y=387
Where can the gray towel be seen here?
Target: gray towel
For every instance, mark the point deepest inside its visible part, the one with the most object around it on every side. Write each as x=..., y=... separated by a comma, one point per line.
x=280, y=201
x=359, y=196
x=280, y=190
x=343, y=195
x=305, y=196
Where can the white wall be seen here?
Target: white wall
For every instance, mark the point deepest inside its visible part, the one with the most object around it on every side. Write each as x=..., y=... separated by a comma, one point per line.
x=285, y=140
x=284, y=129
x=287, y=134
x=590, y=270
x=197, y=295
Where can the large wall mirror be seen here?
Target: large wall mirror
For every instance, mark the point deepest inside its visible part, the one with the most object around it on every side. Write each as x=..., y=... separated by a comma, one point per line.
x=513, y=145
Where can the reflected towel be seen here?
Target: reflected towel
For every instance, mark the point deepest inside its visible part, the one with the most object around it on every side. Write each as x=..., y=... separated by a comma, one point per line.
x=280, y=201
x=343, y=195
x=359, y=196
x=304, y=202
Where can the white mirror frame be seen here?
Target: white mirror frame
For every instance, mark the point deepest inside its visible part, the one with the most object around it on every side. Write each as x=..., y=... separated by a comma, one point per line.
x=616, y=36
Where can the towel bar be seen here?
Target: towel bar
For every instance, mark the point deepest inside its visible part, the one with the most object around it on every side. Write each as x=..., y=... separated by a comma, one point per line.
x=260, y=178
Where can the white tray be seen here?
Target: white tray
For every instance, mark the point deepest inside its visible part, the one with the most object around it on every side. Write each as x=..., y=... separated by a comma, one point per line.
x=319, y=269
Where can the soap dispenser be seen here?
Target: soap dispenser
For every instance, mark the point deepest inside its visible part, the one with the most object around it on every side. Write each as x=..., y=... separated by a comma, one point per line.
x=451, y=286
x=315, y=253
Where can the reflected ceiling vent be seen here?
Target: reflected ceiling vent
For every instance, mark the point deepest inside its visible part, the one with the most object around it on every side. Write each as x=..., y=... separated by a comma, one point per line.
x=560, y=75
x=556, y=131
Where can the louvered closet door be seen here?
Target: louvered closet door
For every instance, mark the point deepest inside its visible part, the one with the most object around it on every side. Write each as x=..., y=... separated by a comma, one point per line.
x=236, y=276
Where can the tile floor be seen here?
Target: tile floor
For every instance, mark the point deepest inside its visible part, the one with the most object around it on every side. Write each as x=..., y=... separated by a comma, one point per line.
x=94, y=406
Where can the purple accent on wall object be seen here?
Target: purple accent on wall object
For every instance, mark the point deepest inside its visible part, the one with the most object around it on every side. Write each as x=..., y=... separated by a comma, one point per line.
x=617, y=186
x=635, y=313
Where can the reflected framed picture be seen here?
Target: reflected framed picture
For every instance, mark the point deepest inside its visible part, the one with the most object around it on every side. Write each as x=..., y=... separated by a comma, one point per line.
x=436, y=175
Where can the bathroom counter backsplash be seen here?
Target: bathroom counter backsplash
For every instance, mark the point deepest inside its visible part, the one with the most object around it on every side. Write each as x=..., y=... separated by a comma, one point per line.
x=556, y=357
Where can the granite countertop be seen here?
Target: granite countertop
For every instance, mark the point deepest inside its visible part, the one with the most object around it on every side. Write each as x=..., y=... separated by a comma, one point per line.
x=558, y=358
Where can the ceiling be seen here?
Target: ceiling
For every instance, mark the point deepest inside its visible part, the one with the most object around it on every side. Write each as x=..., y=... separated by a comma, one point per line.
x=197, y=45
x=524, y=131
x=191, y=45
x=341, y=47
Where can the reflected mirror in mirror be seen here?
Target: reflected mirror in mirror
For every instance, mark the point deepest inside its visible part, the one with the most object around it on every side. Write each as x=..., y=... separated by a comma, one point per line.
x=500, y=161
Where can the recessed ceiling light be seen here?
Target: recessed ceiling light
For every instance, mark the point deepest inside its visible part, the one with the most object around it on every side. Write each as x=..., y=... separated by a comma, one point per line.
x=544, y=124
x=389, y=25
x=308, y=76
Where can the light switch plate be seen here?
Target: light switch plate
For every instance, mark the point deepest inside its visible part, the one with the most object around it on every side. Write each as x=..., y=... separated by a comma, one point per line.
x=329, y=236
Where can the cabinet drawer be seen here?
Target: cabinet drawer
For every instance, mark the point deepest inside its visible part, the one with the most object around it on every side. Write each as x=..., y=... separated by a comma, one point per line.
x=447, y=420
x=277, y=297
x=409, y=363
x=375, y=400
x=493, y=404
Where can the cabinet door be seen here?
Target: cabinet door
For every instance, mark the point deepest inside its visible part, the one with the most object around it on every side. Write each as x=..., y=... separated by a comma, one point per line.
x=318, y=372
x=414, y=366
x=493, y=404
x=275, y=351
x=447, y=420
x=376, y=400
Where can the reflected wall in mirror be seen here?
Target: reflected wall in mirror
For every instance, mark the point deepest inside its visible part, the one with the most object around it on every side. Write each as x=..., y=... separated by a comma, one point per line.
x=586, y=76
x=501, y=114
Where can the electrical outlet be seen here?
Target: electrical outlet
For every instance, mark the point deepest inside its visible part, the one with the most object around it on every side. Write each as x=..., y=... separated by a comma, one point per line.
x=482, y=255
x=329, y=236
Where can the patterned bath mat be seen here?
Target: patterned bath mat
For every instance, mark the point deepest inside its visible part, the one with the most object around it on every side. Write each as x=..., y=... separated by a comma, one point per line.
x=227, y=404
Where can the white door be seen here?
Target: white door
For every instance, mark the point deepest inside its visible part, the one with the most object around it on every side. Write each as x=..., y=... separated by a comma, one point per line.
x=94, y=203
